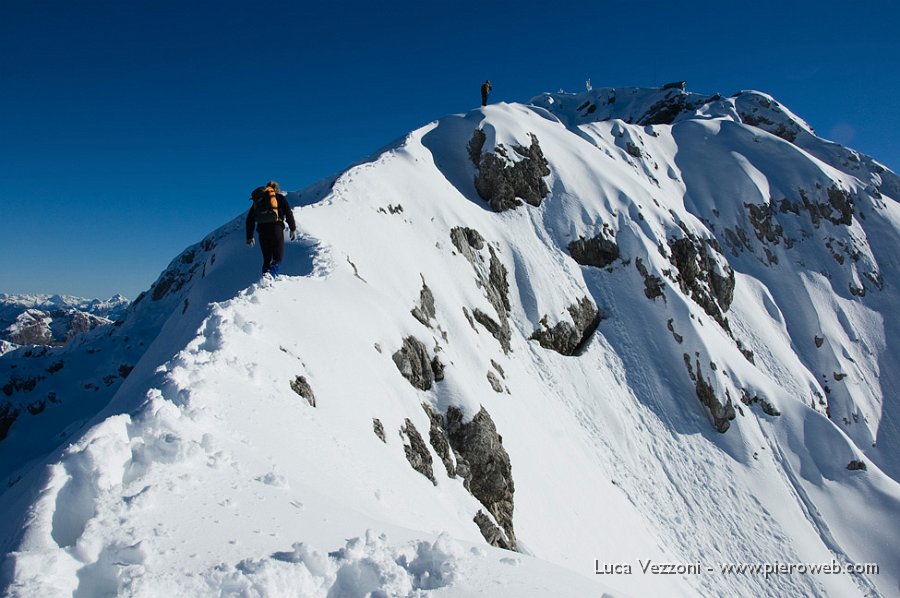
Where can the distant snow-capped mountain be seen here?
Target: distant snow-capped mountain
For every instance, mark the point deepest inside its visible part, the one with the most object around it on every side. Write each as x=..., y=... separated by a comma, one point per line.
x=554, y=348
x=54, y=319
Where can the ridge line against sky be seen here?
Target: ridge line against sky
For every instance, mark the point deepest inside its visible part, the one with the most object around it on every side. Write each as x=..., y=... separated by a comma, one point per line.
x=131, y=130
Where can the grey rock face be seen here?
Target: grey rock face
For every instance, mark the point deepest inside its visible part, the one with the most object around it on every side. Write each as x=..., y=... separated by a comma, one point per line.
x=766, y=406
x=674, y=104
x=416, y=450
x=653, y=285
x=300, y=386
x=413, y=362
x=760, y=112
x=829, y=204
x=499, y=331
x=678, y=338
x=437, y=436
x=437, y=369
x=378, y=428
x=597, y=251
x=476, y=143
x=466, y=240
x=721, y=413
x=568, y=338
x=704, y=275
x=181, y=270
x=494, y=382
x=425, y=310
x=855, y=465
x=493, y=280
x=502, y=181
x=491, y=532
x=484, y=464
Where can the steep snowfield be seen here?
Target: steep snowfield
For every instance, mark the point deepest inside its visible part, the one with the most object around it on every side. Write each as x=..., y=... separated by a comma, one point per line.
x=212, y=470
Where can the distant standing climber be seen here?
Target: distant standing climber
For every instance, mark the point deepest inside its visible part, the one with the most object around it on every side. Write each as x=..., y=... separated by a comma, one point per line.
x=485, y=90
x=268, y=213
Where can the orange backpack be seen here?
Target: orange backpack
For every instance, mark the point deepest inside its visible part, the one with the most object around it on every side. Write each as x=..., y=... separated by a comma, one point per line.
x=265, y=205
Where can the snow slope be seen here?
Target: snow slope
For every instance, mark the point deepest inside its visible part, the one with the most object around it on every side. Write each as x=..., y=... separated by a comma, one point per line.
x=285, y=438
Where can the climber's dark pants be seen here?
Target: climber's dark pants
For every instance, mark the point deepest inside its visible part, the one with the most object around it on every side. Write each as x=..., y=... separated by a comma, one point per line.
x=271, y=242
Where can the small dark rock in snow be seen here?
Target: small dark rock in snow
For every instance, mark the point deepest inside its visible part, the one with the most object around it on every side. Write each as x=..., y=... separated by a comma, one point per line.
x=300, y=386
x=379, y=429
x=855, y=465
x=425, y=310
x=495, y=382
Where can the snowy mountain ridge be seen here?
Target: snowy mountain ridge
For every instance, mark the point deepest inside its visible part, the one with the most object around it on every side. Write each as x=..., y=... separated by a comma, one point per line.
x=596, y=332
x=54, y=319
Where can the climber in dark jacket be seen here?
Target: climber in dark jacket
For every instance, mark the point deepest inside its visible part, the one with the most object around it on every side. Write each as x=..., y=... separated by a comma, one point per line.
x=485, y=90
x=268, y=214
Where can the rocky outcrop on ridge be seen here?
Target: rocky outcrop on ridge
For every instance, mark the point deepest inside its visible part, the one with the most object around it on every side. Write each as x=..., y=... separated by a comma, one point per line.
x=508, y=176
x=568, y=338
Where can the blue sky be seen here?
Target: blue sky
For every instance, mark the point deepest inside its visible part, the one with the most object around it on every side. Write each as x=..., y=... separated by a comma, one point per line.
x=131, y=129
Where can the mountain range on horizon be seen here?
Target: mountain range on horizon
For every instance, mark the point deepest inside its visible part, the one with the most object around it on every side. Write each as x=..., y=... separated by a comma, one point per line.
x=532, y=347
x=54, y=319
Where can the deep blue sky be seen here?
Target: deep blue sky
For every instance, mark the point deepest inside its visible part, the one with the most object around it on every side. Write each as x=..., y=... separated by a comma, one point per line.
x=130, y=129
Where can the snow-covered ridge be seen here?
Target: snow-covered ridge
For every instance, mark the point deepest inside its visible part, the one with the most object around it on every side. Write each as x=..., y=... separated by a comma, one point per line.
x=579, y=334
x=54, y=319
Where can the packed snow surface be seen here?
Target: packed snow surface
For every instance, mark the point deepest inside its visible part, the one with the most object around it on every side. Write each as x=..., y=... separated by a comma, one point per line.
x=734, y=405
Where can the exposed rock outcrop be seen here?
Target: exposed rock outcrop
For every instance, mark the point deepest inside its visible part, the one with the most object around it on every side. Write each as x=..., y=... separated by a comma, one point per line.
x=491, y=531
x=653, y=285
x=466, y=240
x=425, y=310
x=856, y=465
x=597, y=251
x=437, y=436
x=378, y=428
x=484, y=465
x=416, y=450
x=494, y=381
x=764, y=113
x=182, y=269
x=675, y=103
x=437, y=369
x=721, y=413
x=568, y=338
x=492, y=279
x=766, y=406
x=413, y=362
x=704, y=275
x=505, y=181
x=300, y=386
